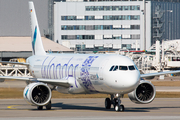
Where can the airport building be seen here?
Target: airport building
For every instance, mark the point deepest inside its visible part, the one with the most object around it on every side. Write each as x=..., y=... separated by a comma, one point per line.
x=98, y=25
x=116, y=24
x=94, y=25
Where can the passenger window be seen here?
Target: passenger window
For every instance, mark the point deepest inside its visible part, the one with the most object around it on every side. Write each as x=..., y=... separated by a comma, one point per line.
x=123, y=68
x=115, y=68
x=131, y=67
x=111, y=68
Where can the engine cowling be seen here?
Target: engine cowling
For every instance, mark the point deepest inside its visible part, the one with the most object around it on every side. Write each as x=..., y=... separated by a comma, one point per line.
x=37, y=94
x=144, y=93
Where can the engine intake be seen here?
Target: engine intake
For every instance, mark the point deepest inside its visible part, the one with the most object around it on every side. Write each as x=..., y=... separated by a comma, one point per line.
x=37, y=94
x=144, y=93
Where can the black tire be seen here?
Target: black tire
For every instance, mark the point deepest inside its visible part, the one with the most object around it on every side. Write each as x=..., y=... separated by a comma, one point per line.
x=121, y=108
x=117, y=108
x=48, y=106
x=107, y=103
x=39, y=107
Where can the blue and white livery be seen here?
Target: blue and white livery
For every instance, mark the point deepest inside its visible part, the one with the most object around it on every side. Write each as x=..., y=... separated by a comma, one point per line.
x=115, y=75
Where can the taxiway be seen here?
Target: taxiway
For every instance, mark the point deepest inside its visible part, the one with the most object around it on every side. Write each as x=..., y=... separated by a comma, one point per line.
x=88, y=109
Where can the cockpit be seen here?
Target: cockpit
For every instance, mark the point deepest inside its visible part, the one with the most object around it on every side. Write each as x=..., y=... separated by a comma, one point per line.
x=121, y=67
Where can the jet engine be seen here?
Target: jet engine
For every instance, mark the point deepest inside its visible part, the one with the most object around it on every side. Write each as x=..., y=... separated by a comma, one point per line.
x=37, y=94
x=144, y=93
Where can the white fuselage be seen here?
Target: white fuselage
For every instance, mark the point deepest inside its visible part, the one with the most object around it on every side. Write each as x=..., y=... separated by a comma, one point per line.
x=87, y=73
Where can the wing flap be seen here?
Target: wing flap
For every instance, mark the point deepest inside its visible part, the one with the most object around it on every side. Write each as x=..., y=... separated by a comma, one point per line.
x=160, y=73
x=55, y=82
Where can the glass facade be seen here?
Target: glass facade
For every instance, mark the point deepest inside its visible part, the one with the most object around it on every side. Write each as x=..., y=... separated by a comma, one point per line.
x=112, y=8
x=104, y=17
x=104, y=37
x=165, y=22
x=104, y=0
x=117, y=0
x=100, y=27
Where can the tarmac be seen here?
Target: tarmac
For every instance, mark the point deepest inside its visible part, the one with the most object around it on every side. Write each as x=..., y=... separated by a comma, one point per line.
x=88, y=109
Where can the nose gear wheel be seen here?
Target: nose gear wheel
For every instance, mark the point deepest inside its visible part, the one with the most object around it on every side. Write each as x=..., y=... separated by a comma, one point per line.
x=116, y=102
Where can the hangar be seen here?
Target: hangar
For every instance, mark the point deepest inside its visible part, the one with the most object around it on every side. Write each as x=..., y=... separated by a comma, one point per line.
x=17, y=47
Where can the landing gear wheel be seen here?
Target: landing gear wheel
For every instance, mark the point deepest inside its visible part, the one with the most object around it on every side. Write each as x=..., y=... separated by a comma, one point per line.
x=121, y=108
x=117, y=108
x=107, y=103
x=48, y=106
x=116, y=101
x=39, y=107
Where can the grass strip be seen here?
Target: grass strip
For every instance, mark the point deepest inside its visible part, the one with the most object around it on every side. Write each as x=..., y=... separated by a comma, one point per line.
x=166, y=83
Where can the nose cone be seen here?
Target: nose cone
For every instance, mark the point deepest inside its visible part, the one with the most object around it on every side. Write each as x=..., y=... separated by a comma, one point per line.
x=127, y=81
x=131, y=81
x=121, y=75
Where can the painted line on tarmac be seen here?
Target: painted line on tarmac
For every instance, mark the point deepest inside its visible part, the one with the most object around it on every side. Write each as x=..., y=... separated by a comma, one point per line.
x=13, y=107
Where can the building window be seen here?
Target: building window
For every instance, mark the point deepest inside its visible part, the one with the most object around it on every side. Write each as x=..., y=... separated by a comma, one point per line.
x=105, y=17
x=112, y=8
x=100, y=37
x=100, y=27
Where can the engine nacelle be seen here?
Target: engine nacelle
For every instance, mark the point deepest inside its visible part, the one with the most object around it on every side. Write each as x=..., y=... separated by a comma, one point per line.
x=37, y=94
x=144, y=93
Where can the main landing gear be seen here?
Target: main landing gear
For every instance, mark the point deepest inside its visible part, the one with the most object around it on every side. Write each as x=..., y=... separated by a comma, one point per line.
x=48, y=106
x=115, y=100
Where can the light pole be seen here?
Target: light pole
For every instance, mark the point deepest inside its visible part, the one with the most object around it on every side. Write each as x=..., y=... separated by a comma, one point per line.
x=170, y=24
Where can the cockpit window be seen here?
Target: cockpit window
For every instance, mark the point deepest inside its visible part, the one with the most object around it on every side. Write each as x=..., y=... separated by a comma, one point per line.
x=131, y=67
x=111, y=68
x=123, y=68
x=115, y=68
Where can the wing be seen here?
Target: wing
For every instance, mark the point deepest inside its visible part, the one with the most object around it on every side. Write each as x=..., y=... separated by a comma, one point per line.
x=160, y=73
x=56, y=82
x=17, y=63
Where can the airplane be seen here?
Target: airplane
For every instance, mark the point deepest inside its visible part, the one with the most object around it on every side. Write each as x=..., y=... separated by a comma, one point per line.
x=115, y=75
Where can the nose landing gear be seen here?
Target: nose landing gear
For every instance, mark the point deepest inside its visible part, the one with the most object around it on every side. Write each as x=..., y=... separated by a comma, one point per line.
x=115, y=100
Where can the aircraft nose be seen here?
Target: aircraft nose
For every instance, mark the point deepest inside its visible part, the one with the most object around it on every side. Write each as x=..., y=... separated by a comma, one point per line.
x=132, y=80
x=123, y=81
